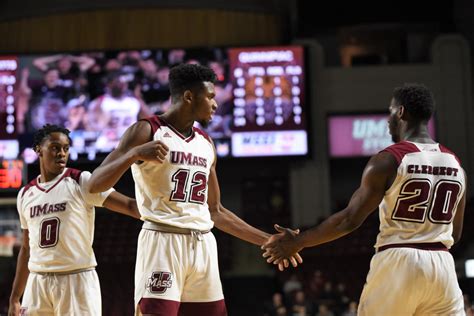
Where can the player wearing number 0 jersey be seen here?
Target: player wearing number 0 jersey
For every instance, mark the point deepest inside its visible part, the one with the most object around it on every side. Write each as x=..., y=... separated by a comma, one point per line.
x=59, y=216
x=174, y=169
x=56, y=263
x=420, y=189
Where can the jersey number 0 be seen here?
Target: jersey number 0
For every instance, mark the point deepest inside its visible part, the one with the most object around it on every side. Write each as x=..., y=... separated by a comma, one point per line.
x=49, y=232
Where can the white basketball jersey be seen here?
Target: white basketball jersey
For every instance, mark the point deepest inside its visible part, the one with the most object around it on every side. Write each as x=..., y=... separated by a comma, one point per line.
x=175, y=192
x=59, y=215
x=123, y=112
x=421, y=204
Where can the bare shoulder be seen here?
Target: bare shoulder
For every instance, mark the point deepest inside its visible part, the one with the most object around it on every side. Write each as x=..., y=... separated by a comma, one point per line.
x=381, y=170
x=137, y=134
x=383, y=161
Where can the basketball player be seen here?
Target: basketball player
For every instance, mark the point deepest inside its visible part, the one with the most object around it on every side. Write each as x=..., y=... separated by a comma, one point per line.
x=174, y=168
x=419, y=187
x=112, y=113
x=56, y=263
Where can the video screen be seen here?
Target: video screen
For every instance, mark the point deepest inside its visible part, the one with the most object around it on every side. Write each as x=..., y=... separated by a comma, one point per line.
x=97, y=95
x=361, y=134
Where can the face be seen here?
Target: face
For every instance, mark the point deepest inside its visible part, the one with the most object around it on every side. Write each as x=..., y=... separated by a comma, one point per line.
x=394, y=121
x=205, y=105
x=51, y=78
x=118, y=86
x=64, y=65
x=54, y=153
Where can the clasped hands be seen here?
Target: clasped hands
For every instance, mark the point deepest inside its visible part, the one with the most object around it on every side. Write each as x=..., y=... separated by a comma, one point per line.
x=281, y=249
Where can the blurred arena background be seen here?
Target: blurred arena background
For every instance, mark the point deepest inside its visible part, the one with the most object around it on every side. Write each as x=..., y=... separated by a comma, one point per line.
x=352, y=56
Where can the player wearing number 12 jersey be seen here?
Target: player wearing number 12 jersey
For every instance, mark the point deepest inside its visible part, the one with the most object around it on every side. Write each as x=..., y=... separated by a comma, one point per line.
x=56, y=263
x=174, y=169
x=420, y=188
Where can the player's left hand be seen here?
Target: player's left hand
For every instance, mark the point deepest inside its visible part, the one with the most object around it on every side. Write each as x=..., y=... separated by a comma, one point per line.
x=282, y=247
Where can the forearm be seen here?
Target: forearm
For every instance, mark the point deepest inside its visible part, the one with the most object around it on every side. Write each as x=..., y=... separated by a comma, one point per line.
x=109, y=172
x=122, y=204
x=42, y=62
x=21, y=275
x=230, y=223
x=334, y=227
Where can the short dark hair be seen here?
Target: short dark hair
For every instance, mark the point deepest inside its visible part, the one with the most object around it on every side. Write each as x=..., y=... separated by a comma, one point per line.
x=189, y=77
x=45, y=131
x=417, y=99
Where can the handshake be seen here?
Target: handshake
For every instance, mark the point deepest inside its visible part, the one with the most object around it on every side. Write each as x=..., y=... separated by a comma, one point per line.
x=282, y=248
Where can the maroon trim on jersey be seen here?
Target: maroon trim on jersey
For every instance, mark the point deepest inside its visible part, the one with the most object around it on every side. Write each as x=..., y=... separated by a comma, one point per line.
x=71, y=173
x=155, y=124
x=158, y=306
x=74, y=174
x=187, y=139
x=399, y=150
x=434, y=246
x=31, y=184
x=216, y=308
x=446, y=150
x=203, y=133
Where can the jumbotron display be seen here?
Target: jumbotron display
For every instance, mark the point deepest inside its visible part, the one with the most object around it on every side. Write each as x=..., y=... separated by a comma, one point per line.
x=260, y=92
x=361, y=135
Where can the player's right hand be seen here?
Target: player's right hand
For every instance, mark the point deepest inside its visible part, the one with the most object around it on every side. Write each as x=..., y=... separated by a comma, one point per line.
x=14, y=308
x=152, y=151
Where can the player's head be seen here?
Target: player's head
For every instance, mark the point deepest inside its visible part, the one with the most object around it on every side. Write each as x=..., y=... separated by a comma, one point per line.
x=192, y=85
x=51, y=143
x=412, y=103
x=117, y=83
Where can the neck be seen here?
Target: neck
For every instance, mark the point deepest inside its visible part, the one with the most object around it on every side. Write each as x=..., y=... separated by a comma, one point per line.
x=46, y=176
x=180, y=120
x=418, y=133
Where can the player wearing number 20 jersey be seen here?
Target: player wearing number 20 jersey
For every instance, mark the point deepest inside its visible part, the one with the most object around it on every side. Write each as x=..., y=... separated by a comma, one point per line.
x=59, y=215
x=421, y=203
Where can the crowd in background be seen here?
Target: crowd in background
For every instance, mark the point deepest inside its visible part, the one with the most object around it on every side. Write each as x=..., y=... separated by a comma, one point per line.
x=97, y=95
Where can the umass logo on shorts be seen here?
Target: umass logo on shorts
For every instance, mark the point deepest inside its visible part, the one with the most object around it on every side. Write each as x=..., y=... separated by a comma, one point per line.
x=159, y=282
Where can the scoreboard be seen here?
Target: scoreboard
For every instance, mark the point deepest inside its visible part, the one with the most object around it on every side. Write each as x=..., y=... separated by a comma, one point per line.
x=268, y=91
x=8, y=68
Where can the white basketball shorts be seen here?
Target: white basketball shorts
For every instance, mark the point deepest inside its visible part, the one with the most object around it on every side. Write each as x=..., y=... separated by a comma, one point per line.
x=62, y=294
x=407, y=281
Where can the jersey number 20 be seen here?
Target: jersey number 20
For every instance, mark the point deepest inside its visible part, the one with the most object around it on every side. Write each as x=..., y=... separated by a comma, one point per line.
x=415, y=196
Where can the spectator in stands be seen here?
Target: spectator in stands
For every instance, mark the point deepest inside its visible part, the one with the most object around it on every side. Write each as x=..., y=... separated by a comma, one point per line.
x=300, y=306
x=46, y=100
x=220, y=124
x=270, y=308
x=316, y=284
x=341, y=296
x=291, y=285
x=112, y=113
x=328, y=295
x=323, y=310
x=351, y=309
x=153, y=86
x=71, y=69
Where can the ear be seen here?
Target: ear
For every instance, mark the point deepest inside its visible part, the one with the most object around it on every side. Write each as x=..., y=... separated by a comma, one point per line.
x=38, y=150
x=401, y=111
x=188, y=96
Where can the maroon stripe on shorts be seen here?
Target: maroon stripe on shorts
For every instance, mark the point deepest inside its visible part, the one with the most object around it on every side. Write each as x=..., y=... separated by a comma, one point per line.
x=216, y=308
x=158, y=307
x=437, y=246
